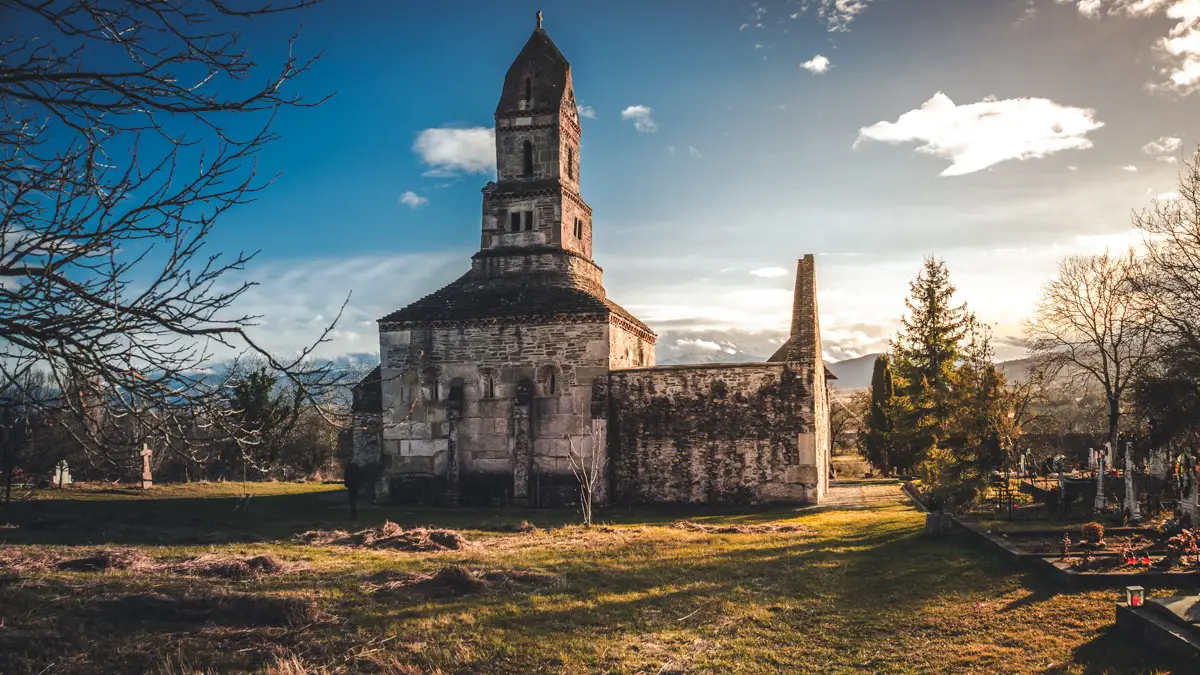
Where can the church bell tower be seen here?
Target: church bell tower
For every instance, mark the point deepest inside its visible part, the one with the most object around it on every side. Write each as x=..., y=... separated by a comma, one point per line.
x=534, y=202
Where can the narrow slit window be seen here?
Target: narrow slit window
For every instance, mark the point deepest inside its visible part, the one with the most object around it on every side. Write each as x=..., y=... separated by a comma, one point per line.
x=528, y=90
x=553, y=384
x=571, y=163
x=514, y=221
x=489, y=387
x=528, y=220
x=528, y=165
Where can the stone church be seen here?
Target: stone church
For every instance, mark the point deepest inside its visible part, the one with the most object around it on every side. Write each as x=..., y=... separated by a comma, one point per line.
x=490, y=389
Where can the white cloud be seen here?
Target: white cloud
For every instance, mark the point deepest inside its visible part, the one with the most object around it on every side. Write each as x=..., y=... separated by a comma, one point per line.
x=816, y=65
x=642, y=117
x=694, y=152
x=976, y=136
x=1181, y=45
x=1129, y=167
x=838, y=14
x=1167, y=196
x=1167, y=159
x=1162, y=145
x=447, y=150
x=1072, y=167
x=671, y=150
x=413, y=199
x=586, y=111
x=296, y=297
x=769, y=272
x=704, y=345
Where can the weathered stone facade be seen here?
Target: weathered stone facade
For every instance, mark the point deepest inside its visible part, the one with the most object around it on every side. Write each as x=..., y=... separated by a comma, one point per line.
x=728, y=433
x=489, y=387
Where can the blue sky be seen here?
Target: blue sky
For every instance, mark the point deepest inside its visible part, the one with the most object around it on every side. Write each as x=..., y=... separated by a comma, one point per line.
x=1000, y=135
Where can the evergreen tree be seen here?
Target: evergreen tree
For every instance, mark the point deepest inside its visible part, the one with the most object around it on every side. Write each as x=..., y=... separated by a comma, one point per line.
x=879, y=426
x=949, y=416
x=929, y=347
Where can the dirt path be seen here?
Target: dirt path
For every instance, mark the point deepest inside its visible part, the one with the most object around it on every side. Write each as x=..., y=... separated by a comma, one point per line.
x=849, y=494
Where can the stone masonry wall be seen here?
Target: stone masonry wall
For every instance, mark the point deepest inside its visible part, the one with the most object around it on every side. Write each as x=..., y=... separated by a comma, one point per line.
x=421, y=367
x=627, y=349
x=727, y=433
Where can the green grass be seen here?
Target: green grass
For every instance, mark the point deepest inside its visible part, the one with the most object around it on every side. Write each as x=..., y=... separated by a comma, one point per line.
x=857, y=591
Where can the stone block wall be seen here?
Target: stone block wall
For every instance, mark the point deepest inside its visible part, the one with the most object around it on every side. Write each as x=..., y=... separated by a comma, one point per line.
x=629, y=348
x=487, y=430
x=541, y=129
x=723, y=433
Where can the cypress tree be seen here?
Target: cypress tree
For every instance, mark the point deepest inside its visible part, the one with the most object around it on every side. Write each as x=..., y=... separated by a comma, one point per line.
x=878, y=423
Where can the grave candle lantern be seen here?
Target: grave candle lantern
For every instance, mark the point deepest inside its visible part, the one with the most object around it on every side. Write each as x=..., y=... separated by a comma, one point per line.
x=1135, y=596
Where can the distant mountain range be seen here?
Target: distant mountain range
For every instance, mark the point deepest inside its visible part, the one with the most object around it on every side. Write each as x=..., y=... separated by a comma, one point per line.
x=856, y=373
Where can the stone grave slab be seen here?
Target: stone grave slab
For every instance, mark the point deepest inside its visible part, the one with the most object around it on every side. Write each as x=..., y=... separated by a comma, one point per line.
x=1183, y=609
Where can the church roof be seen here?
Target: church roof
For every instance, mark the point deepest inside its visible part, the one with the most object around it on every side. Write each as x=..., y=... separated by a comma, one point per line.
x=524, y=296
x=542, y=62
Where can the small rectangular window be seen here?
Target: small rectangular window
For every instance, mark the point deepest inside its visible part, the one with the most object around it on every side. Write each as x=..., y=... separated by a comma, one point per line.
x=578, y=229
x=514, y=222
x=528, y=220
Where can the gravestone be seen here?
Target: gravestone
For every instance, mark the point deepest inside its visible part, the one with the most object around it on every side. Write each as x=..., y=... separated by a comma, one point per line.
x=1131, y=500
x=147, y=477
x=938, y=523
x=62, y=474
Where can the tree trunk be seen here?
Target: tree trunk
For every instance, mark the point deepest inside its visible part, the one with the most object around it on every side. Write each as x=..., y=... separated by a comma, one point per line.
x=8, y=478
x=1114, y=416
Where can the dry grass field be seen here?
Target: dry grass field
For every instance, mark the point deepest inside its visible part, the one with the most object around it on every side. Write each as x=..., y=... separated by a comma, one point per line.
x=172, y=580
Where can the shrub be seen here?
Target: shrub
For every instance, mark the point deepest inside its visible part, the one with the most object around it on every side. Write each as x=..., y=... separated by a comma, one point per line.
x=1092, y=531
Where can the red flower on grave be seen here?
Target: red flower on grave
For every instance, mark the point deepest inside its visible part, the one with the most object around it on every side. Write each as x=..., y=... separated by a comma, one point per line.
x=1131, y=561
x=1145, y=560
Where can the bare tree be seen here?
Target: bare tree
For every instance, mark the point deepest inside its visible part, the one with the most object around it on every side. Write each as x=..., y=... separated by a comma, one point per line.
x=588, y=467
x=1170, y=288
x=1091, y=327
x=846, y=414
x=126, y=130
x=1171, y=280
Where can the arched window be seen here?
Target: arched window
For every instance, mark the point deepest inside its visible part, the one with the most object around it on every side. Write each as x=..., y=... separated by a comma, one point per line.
x=430, y=380
x=528, y=147
x=571, y=163
x=528, y=90
x=489, y=386
x=552, y=386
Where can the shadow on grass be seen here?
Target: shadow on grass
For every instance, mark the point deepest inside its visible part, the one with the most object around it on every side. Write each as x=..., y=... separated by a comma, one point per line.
x=1112, y=652
x=279, y=517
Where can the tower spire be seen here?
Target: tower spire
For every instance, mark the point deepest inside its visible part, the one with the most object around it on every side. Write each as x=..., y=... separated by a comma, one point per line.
x=539, y=18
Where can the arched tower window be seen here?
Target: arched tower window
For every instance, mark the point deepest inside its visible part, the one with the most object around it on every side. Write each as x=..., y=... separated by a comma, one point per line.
x=528, y=90
x=552, y=386
x=528, y=148
x=571, y=163
x=430, y=379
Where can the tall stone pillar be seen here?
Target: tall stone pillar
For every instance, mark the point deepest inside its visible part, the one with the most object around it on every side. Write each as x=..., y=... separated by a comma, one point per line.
x=452, y=487
x=522, y=429
x=1131, y=500
x=522, y=454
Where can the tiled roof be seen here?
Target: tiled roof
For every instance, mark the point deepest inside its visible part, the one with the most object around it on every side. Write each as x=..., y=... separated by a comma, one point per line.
x=541, y=60
x=516, y=296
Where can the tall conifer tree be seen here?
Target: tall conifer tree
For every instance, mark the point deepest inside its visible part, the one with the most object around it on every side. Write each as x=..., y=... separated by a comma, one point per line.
x=929, y=347
x=879, y=424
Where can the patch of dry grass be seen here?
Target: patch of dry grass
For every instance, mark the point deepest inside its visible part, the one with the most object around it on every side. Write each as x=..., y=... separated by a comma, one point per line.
x=388, y=536
x=776, y=591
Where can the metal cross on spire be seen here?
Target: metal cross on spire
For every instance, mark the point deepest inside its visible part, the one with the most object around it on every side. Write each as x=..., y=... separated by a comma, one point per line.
x=539, y=18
